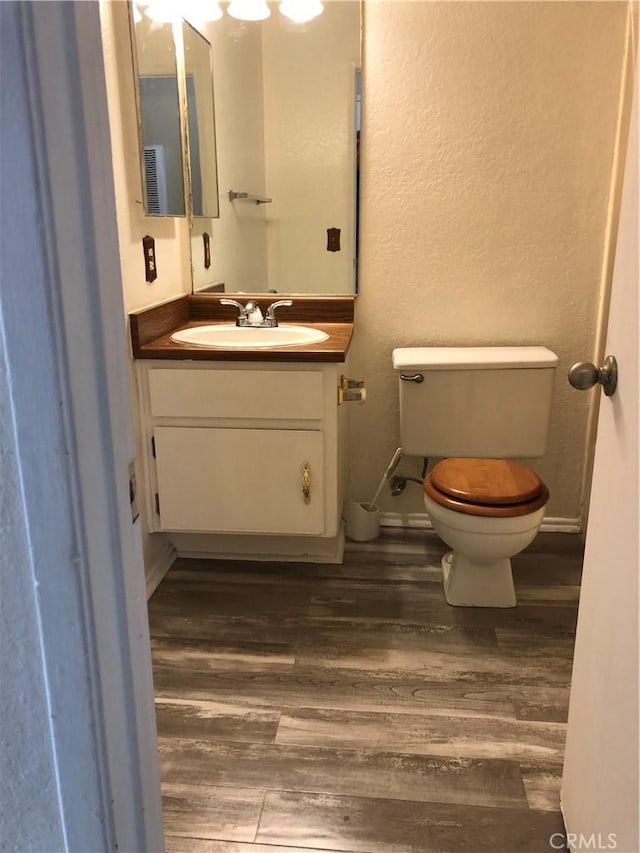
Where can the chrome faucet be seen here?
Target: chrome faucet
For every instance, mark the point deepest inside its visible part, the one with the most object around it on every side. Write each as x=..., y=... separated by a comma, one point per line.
x=270, y=319
x=251, y=314
x=241, y=319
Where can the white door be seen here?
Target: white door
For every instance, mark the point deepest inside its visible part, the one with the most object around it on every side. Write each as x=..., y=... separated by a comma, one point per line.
x=600, y=780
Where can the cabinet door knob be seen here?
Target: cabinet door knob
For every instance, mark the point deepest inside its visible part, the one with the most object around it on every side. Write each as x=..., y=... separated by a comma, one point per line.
x=306, y=482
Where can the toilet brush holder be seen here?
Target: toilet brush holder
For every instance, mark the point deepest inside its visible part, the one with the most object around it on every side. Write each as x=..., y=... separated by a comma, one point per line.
x=363, y=521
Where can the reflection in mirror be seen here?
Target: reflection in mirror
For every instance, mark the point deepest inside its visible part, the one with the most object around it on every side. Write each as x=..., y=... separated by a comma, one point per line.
x=287, y=123
x=201, y=123
x=159, y=117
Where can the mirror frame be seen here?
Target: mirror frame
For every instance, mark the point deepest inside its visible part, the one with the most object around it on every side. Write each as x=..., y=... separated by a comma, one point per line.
x=183, y=118
x=184, y=115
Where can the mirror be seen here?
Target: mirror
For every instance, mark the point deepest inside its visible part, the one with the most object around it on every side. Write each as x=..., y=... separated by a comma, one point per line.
x=176, y=117
x=201, y=124
x=287, y=101
x=159, y=126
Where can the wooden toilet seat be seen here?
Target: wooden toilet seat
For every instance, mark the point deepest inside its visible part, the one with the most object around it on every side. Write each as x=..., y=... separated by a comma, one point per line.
x=495, y=488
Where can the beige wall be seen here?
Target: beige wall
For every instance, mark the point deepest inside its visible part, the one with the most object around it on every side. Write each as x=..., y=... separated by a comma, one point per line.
x=486, y=162
x=171, y=234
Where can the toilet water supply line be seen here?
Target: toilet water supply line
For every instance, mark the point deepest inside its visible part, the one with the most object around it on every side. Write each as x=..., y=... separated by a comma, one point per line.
x=391, y=467
x=399, y=484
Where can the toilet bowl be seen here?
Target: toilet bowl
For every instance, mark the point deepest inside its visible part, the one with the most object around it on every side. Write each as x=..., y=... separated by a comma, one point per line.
x=487, y=511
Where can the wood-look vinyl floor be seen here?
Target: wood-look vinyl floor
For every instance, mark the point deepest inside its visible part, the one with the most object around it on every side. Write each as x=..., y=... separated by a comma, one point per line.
x=350, y=708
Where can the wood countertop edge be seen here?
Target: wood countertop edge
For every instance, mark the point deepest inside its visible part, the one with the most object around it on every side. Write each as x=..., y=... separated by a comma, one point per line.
x=333, y=350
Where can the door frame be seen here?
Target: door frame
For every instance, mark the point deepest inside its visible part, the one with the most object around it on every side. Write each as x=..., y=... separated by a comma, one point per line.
x=627, y=73
x=65, y=346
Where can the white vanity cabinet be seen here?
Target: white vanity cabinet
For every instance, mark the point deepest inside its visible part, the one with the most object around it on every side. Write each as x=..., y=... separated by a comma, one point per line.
x=243, y=457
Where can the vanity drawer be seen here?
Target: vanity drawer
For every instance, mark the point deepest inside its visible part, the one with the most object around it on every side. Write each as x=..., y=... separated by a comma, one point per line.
x=246, y=394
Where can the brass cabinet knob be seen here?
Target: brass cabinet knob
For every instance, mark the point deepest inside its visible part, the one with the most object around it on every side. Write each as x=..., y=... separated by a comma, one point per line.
x=306, y=482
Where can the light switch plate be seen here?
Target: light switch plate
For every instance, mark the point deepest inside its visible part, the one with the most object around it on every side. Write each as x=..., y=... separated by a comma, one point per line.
x=150, y=266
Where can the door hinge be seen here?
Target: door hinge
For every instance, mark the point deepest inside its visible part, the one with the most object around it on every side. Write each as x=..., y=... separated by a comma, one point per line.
x=351, y=390
x=158, y=503
x=153, y=446
x=133, y=492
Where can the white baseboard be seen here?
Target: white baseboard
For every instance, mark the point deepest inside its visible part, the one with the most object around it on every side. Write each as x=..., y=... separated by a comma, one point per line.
x=561, y=525
x=158, y=569
x=412, y=520
x=421, y=521
x=284, y=549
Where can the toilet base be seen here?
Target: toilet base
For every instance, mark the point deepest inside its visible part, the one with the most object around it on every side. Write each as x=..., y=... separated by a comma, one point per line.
x=469, y=584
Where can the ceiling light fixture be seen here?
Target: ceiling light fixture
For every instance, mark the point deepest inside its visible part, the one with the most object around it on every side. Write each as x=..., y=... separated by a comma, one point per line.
x=249, y=10
x=301, y=11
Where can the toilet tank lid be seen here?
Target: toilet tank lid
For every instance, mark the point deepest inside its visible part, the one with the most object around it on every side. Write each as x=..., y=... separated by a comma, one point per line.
x=472, y=358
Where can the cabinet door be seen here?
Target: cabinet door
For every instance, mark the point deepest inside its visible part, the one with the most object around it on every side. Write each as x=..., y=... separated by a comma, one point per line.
x=240, y=480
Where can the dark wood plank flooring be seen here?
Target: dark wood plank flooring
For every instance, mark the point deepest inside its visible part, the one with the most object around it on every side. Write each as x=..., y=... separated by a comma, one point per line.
x=349, y=708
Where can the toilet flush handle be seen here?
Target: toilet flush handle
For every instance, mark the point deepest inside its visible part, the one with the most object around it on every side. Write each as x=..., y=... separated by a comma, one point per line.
x=584, y=375
x=414, y=377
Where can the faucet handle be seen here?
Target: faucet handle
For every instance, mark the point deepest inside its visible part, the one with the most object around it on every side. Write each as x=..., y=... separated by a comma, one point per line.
x=243, y=312
x=271, y=310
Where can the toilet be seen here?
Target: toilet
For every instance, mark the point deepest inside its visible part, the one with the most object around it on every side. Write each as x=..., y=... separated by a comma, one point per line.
x=478, y=409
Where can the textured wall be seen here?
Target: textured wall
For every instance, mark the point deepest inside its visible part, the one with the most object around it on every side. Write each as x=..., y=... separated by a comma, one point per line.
x=27, y=758
x=486, y=162
x=486, y=158
x=171, y=234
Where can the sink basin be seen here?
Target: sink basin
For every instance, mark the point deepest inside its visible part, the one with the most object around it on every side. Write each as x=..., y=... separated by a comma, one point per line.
x=229, y=336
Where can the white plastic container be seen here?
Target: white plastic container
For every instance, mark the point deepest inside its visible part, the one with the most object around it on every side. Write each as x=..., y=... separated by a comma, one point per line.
x=363, y=521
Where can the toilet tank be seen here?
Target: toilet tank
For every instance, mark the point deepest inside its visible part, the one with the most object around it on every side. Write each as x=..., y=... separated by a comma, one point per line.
x=475, y=401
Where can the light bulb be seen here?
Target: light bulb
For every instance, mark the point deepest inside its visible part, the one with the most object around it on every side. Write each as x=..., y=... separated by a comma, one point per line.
x=162, y=11
x=215, y=12
x=200, y=12
x=301, y=11
x=249, y=10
